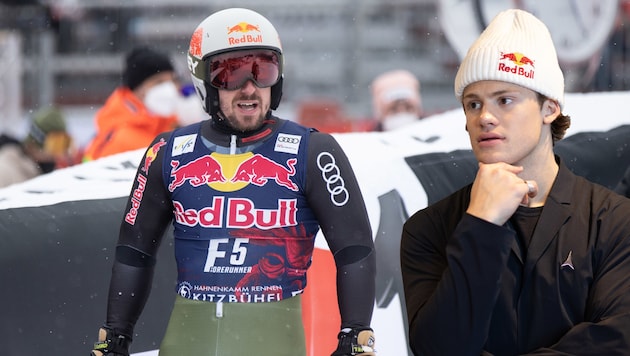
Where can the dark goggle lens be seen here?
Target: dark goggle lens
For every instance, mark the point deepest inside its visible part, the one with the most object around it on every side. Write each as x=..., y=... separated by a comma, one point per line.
x=231, y=70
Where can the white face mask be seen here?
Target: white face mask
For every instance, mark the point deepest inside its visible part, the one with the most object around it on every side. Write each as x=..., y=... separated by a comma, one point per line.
x=398, y=120
x=162, y=99
x=190, y=110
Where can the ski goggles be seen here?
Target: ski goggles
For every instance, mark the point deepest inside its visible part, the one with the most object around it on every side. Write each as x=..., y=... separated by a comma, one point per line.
x=231, y=70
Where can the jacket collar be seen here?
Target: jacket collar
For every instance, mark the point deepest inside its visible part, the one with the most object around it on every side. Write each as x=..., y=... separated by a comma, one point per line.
x=555, y=214
x=221, y=136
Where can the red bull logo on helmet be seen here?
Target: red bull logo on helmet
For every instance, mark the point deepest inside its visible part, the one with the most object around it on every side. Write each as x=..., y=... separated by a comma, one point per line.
x=194, y=48
x=240, y=34
x=243, y=27
x=516, y=63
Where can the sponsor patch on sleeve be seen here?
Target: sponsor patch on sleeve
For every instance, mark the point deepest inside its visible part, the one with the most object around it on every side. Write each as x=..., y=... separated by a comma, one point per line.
x=287, y=143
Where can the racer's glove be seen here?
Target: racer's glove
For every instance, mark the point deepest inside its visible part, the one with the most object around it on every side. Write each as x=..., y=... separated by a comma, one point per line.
x=111, y=344
x=355, y=341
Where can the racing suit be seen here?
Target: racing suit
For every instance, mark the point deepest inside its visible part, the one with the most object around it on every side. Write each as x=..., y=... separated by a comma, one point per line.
x=245, y=209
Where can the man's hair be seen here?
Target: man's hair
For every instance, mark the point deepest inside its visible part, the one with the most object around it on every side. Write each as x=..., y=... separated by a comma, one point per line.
x=560, y=125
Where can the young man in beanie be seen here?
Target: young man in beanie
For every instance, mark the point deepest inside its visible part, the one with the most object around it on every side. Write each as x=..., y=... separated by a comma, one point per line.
x=396, y=100
x=141, y=108
x=528, y=258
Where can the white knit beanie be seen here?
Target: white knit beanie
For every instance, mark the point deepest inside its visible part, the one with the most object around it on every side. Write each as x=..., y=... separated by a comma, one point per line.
x=517, y=48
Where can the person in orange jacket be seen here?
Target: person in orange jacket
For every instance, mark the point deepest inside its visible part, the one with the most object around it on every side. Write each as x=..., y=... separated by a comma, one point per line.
x=142, y=107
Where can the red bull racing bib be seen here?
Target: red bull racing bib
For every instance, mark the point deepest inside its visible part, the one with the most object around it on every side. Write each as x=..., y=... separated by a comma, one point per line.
x=242, y=226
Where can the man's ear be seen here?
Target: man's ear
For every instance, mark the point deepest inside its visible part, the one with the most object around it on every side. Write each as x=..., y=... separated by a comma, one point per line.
x=550, y=111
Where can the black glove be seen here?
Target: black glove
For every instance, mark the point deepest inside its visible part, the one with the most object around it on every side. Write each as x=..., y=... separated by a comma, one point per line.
x=355, y=341
x=111, y=343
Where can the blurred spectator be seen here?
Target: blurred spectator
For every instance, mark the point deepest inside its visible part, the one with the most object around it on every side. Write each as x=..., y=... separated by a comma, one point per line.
x=144, y=106
x=46, y=147
x=396, y=99
x=189, y=108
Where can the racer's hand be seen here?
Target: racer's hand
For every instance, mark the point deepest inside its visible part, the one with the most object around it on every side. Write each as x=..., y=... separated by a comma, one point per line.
x=355, y=341
x=111, y=344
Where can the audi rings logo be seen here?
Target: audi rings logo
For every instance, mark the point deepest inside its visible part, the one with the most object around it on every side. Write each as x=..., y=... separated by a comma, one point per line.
x=289, y=139
x=334, y=182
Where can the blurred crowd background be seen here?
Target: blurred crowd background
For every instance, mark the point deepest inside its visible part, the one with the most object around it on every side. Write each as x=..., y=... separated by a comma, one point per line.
x=69, y=53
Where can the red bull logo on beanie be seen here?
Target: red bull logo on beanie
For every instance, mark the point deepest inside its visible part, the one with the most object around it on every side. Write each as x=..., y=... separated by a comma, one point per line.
x=241, y=34
x=516, y=63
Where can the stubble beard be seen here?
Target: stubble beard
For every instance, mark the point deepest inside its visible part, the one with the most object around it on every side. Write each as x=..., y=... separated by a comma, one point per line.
x=247, y=122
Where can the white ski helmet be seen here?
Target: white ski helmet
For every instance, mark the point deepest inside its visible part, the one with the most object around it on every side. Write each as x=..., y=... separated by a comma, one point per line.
x=224, y=31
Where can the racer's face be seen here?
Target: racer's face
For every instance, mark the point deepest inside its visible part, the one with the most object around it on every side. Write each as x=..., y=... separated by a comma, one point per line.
x=245, y=108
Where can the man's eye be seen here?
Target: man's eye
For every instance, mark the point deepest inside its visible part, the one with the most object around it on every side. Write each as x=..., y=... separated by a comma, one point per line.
x=474, y=105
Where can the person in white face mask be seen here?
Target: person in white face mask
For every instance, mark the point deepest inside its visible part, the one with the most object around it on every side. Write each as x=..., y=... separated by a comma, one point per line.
x=145, y=105
x=161, y=99
x=396, y=100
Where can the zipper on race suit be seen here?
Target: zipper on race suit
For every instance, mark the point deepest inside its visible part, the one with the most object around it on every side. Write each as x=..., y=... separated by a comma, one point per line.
x=233, y=145
x=219, y=312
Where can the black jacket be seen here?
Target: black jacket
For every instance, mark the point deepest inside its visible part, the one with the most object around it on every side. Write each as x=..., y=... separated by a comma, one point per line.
x=471, y=289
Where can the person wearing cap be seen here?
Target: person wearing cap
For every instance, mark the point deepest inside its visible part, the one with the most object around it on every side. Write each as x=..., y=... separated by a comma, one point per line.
x=396, y=100
x=246, y=193
x=46, y=147
x=529, y=258
x=144, y=106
